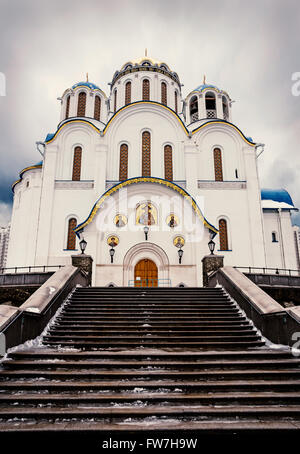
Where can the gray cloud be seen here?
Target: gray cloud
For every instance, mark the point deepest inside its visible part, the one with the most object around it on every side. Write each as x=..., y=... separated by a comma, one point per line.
x=249, y=49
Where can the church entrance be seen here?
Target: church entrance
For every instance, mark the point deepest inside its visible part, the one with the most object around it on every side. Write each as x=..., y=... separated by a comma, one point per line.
x=145, y=274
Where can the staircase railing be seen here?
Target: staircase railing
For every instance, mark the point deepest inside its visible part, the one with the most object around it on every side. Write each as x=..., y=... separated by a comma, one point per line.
x=263, y=270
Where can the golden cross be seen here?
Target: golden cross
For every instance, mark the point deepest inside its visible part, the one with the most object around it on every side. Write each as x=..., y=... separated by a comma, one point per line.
x=87, y=77
x=146, y=51
x=204, y=79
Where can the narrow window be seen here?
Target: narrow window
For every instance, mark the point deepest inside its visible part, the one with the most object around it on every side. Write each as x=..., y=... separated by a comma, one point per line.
x=123, y=171
x=146, y=154
x=97, y=108
x=218, y=164
x=176, y=101
x=236, y=173
x=274, y=237
x=146, y=90
x=77, y=164
x=210, y=105
x=128, y=93
x=71, y=242
x=164, y=93
x=223, y=235
x=194, y=115
x=115, y=100
x=225, y=108
x=68, y=106
x=81, y=104
x=168, y=163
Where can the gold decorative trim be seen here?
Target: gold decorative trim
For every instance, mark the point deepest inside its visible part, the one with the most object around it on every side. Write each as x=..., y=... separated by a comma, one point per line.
x=125, y=183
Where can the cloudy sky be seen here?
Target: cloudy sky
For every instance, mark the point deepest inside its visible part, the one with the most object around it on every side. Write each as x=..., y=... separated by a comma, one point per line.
x=250, y=49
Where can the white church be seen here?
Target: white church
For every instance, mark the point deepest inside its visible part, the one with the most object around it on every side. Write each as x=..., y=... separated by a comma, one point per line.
x=148, y=178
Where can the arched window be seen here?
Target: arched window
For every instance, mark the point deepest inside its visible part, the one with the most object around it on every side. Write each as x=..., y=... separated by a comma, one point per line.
x=274, y=237
x=210, y=105
x=123, y=171
x=176, y=101
x=225, y=108
x=146, y=154
x=164, y=93
x=194, y=115
x=168, y=163
x=81, y=104
x=77, y=164
x=68, y=106
x=115, y=100
x=218, y=164
x=146, y=90
x=97, y=108
x=128, y=93
x=223, y=235
x=71, y=240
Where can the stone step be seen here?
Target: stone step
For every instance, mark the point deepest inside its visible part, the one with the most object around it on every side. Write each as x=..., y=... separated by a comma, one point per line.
x=240, y=411
x=140, y=388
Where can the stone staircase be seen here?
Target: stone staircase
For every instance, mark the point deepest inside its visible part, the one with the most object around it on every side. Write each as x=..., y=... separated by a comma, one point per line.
x=130, y=360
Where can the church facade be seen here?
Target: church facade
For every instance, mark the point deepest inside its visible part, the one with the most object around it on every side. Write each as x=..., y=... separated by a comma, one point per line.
x=148, y=179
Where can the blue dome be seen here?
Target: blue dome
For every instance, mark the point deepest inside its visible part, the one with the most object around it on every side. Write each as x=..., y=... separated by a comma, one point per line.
x=86, y=84
x=203, y=86
x=278, y=195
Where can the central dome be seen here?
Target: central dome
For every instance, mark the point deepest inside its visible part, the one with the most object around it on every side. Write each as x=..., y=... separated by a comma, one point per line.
x=145, y=61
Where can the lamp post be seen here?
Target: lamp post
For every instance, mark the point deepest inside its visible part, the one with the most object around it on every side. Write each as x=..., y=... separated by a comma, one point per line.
x=112, y=253
x=211, y=245
x=82, y=245
x=146, y=231
x=180, y=254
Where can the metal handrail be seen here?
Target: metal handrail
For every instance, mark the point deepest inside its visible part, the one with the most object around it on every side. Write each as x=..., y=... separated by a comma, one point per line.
x=265, y=270
x=149, y=283
x=45, y=268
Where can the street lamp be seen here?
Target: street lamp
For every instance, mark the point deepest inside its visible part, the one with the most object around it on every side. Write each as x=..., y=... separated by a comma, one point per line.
x=146, y=231
x=112, y=253
x=82, y=245
x=211, y=245
x=180, y=254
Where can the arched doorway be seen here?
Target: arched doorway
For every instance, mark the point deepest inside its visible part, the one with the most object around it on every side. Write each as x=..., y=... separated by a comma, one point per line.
x=145, y=274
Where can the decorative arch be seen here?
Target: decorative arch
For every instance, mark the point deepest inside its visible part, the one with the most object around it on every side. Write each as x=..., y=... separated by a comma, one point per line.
x=153, y=180
x=142, y=251
x=128, y=92
x=97, y=107
x=77, y=158
x=81, y=104
x=123, y=169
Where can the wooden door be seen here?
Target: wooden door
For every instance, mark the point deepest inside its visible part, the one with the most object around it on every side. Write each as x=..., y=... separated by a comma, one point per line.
x=145, y=274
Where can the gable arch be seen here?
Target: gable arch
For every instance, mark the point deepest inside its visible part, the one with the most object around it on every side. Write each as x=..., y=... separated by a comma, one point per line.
x=97, y=206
